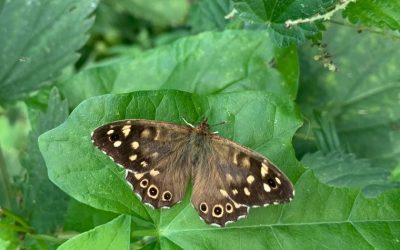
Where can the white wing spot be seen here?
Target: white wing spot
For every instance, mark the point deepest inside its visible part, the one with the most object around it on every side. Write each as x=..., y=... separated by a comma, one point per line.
x=246, y=191
x=144, y=164
x=250, y=179
x=229, y=177
x=111, y=131
x=276, y=203
x=126, y=130
x=117, y=144
x=246, y=162
x=278, y=180
x=135, y=145
x=132, y=157
x=154, y=172
x=154, y=155
x=223, y=192
x=139, y=176
x=264, y=170
x=267, y=188
x=145, y=133
x=235, y=192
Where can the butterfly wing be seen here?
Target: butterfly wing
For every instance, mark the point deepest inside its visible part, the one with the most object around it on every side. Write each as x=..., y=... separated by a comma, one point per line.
x=150, y=152
x=240, y=179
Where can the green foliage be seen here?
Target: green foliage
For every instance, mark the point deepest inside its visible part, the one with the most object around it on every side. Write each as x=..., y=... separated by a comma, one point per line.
x=34, y=49
x=276, y=71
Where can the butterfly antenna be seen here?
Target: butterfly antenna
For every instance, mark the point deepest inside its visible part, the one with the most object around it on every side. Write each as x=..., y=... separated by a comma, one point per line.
x=218, y=124
x=187, y=123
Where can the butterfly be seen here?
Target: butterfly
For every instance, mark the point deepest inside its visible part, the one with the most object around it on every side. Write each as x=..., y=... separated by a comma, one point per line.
x=161, y=158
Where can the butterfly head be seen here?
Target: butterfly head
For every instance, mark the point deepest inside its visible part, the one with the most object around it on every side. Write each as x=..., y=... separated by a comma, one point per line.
x=204, y=127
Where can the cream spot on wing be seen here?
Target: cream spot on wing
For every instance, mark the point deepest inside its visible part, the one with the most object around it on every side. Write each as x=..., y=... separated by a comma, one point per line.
x=154, y=155
x=250, y=179
x=117, y=144
x=267, y=188
x=235, y=192
x=126, y=130
x=278, y=180
x=223, y=192
x=132, y=157
x=235, y=154
x=157, y=135
x=246, y=162
x=145, y=133
x=111, y=131
x=264, y=169
x=246, y=191
x=144, y=164
x=276, y=203
x=135, y=145
x=154, y=172
x=229, y=177
x=138, y=175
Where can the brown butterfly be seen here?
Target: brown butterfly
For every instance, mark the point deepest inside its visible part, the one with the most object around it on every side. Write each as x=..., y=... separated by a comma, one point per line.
x=161, y=158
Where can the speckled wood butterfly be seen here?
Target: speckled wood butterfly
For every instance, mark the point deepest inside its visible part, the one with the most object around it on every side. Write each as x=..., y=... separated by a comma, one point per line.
x=161, y=158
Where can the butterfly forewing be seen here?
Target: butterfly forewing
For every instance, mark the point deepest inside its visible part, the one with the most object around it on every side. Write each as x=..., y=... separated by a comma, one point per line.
x=150, y=152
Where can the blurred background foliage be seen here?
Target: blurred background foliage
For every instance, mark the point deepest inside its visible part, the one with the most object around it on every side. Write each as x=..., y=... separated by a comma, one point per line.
x=342, y=70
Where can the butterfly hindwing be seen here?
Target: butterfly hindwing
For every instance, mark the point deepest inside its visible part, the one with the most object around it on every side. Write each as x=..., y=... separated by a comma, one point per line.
x=241, y=178
x=148, y=150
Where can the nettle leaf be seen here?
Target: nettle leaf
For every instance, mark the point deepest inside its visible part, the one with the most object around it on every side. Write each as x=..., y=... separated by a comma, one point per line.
x=336, y=218
x=237, y=60
x=329, y=216
x=362, y=97
x=255, y=119
x=158, y=12
x=209, y=15
x=112, y=235
x=44, y=204
x=345, y=170
x=272, y=15
x=34, y=49
x=382, y=14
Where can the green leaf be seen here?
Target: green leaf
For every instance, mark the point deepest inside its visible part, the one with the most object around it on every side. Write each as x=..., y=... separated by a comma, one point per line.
x=373, y=13
x=336, y=218
x=261, y=121
x=34, y=49
x=159, y=12
x=345, y=170
x=237, y=60
x=113, y=235
x=362, y=97
x=43, y=203
x=209, y=15
x=272, y=14
x=80, y=217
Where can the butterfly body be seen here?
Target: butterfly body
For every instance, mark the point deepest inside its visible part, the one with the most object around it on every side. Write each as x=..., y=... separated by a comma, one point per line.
x=161, y=158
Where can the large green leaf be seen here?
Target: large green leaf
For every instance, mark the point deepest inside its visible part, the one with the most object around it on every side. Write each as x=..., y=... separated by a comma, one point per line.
x=318, y=217
x=113, y=235
x=345, y=170
x=210, y=62
x=362, y=97
x=375, y=13
x=209, y=15
x=272, y=15
x=44, y=204
x=159, y=12
x=258, y=120
x=37, y=40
